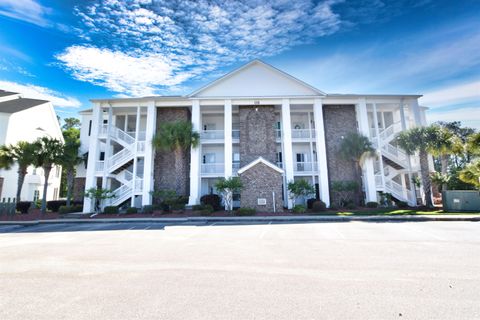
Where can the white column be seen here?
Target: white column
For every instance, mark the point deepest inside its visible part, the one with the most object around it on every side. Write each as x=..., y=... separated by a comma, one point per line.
x=108, y=147
x=368, y=169
x=91, y=180
x=228, y=138
x=135, y=159
x=321, y=151
x=379, y=144
x=412, y=202
x=195, y=157
x=148, y=182
x=287, y=145
x=415, y=109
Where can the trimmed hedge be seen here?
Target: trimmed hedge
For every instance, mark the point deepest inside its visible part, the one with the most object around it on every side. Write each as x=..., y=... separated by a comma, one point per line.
x=54, y=205
x=70, y=209
x=212, y=199
x=110, y=210
x=299, y=208
x=23, y=206
x=319, y=206
x=148, y=209
x=132, y=210
x=245, y=211
x=372, y=204
x=310, y=203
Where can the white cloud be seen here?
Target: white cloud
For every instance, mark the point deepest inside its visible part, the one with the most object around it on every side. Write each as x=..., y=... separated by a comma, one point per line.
x=469, y=116
x=26, y=10
x=42, y=93
x=452, y=95
x=158, y=44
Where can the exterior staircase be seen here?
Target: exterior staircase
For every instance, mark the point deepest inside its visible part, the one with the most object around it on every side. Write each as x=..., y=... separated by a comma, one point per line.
x=117, y=165
x=395, y=163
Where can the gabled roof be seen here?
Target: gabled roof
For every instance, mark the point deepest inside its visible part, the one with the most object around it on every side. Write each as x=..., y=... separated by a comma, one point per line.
x=4, y=93
x=260, y=160
x=20, y=104
x=273, y=71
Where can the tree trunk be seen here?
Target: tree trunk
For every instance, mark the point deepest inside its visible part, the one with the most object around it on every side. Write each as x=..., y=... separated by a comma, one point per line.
x=70, y=179
x=22, y=171
x=178, y=171
x=46, y=171
x=426, y=182
x=358, y=174
x=444, y=169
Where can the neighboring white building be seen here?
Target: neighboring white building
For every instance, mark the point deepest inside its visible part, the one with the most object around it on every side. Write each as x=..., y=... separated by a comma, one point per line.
x=23, y=119
x=303, y=128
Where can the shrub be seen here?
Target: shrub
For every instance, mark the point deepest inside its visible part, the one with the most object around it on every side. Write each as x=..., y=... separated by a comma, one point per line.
x=402, y=204
x=177, y=206
x=372, y=204
x=206, y=210
x=350, y=206
x=319, y=206
x=148, y=209
x=198, y=207
x=132, y=210
x=110, y=210
x=310, y=203
x=55, y=205
x=299, y=209
x=23, y=206
x=77, y=208
x=212, y=199
x=64, y=209
x=245, y=211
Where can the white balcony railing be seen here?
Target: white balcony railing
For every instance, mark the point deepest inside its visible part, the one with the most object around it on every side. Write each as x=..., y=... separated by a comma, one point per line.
x=211, y=135
x=280, y=164
x=305, y=166
x=303, y=133
x=278, y=134
x=236, y=134
x=99, y=166
x=235, y=167
x=213, y=168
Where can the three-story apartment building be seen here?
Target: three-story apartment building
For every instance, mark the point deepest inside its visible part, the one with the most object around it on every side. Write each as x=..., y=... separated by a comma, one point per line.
x=257, y=122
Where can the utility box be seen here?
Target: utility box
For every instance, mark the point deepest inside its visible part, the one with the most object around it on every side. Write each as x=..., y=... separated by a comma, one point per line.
x=461, y=200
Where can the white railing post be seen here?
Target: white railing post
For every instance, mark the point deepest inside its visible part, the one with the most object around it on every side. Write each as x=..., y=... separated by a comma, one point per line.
x=195, y=157
x=149, y=154
x=90, y=180
x=228, y=149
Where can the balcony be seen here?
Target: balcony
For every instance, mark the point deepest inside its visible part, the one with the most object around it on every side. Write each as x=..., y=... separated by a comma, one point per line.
x=213, y=169
x=303, y=134
x=235, y=167
x=211, y=135
x=305, y=167
x=235, y=134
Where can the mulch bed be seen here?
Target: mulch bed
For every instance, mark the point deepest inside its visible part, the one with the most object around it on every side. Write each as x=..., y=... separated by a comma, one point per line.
x=34, y=214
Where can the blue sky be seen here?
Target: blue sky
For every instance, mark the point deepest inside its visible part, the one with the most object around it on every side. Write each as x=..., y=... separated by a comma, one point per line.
x=72, y=51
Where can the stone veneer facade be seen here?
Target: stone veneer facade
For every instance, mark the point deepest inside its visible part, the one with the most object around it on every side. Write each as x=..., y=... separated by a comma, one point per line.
x=259, y=182
x=164, y=168
x=338, y=121
x=257, y=134
x=78, y=189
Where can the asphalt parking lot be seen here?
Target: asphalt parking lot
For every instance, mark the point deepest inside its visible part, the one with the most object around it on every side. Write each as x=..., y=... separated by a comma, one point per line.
x=349, y=270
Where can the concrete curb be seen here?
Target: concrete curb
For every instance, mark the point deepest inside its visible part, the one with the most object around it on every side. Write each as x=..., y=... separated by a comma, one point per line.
x=325, y=218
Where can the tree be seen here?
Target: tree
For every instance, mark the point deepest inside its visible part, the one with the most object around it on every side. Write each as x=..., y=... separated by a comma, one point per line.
x=445, y=144
x=299, y=188
x=473, y=144
x=48, y=152
x=228, y=187
x=421, y=140
x=70, y=123
x=21, y=153
x=70, y=159
x=357, y=148
x=98, y=195
x=177, y=137
x=471, y=174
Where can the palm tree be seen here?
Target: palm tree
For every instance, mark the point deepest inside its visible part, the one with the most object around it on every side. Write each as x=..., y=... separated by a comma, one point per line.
x=21, y=153
x=445, y=144
x=421, y=140
x=357, y=148
x=177, y=137
x=70, y=159
x=471, y=174
x=473, y=143
x=48, y=153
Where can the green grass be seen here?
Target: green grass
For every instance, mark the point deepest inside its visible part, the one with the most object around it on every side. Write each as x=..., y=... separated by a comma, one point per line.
x=392, y=212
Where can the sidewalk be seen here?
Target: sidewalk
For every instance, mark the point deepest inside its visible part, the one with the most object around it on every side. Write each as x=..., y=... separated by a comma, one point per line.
x=319, y=218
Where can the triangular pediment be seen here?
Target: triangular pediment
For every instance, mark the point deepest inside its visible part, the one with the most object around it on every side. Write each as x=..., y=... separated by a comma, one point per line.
x=256, y=79
x=258, y=161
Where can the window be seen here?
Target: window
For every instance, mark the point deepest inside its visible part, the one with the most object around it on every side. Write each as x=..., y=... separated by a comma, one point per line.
x=278, y=156
x=300, y=157
x=105, y=121
x=209, y=126
x=209, y=158
x=36, y=195
x=89, y=128
x=236, y=157
x=102, y=156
